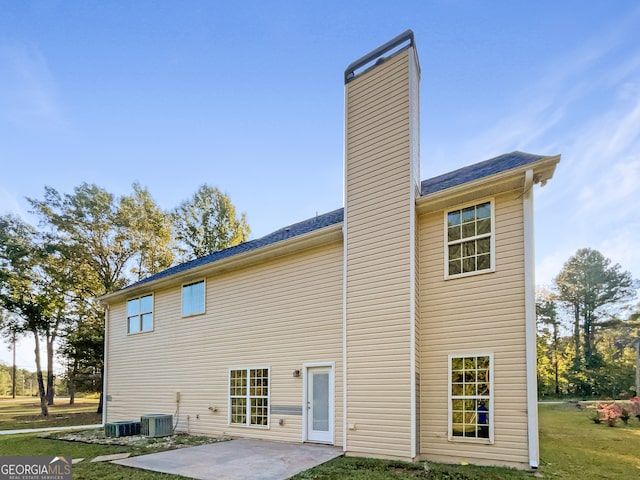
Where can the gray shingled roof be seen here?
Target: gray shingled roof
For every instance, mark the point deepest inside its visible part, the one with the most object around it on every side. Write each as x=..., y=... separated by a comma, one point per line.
x=284, y=233
x=477, y=171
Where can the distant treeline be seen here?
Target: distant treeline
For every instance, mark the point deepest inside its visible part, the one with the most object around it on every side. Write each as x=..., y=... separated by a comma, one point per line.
x=588, y=331
x=25, y=381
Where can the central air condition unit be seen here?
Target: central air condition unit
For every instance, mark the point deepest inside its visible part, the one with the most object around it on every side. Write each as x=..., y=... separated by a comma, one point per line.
x=156, y=425
x=121, y=429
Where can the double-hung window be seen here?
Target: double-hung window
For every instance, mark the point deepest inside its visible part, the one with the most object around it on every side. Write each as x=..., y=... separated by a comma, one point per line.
x=140, y=314
x=249, y=397
x=471, y=397
x=469, y=240
x=193, y=298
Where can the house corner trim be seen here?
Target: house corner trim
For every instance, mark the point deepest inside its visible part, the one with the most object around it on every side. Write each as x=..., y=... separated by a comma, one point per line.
x=530, y=320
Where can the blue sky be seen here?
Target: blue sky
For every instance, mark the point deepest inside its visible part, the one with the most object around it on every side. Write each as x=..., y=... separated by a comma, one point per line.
x=250, y=98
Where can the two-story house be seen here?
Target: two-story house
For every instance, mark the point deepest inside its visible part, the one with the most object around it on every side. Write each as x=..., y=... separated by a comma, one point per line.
x=400, y=326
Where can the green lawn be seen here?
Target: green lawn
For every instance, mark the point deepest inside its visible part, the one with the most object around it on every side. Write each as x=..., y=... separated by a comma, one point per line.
x=572, y=447
x=371, y=469
x=24, y=412
x=30, y=444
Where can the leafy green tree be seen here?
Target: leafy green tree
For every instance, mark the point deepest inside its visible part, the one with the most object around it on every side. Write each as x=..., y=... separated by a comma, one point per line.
x=93, y=240
x=551, y=361
x=93, y=243
x=544, y=363
x=614, y=373
x=29, y=292
x=25, y=380
x=5, y=380
x=207, y=223
x=88, y=231
x=83, y=352
x=628, y=339
x=102, y=243
x=592, y=288
x=151, y=232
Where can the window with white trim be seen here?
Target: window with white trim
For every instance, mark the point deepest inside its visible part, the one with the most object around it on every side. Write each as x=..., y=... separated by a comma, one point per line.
x=470, y=397
x=140, y=314
x=469, y=240
x=249, y=397
x=193, y=298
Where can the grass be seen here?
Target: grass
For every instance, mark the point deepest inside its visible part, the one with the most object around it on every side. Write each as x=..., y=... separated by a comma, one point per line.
x=30, y=444
x=372, y=469
x=572, y=448
x=25, y=413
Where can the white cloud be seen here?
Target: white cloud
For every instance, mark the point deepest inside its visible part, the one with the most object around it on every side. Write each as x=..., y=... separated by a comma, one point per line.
x=622, y=247
x=626, y=130
x=549, y=267
x=586, y=107
x=613, y=193
x=544, y=106
x=605, y=176
x=28, y=94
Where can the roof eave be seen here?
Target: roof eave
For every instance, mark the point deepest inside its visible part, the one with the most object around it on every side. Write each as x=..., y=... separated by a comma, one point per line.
x=322, y=236
x=505, y=181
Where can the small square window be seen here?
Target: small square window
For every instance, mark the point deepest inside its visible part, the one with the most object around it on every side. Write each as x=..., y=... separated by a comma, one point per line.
x=140, y=314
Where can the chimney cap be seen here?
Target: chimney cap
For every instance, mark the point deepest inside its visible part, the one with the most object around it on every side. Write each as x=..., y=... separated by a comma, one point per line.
x=349, y=73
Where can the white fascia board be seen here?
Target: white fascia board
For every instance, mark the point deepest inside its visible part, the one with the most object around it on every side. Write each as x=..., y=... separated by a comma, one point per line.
x=543, y=171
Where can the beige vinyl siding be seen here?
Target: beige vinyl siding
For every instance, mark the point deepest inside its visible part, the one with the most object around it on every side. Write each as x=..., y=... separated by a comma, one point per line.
x=483, y=312
x=279, y=314
x=378, y=336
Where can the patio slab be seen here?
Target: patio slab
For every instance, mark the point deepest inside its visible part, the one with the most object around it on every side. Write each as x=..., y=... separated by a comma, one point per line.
x=241, y=459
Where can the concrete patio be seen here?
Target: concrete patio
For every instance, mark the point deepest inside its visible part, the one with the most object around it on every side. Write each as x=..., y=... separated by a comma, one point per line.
x=242, y=459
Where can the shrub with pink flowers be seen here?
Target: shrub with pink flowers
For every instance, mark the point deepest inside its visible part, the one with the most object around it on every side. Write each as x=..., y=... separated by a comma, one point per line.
x=610, y=413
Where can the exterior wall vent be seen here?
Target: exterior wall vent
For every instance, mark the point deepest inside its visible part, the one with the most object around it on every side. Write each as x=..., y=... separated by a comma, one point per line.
x=157, y=425
x=121, y=429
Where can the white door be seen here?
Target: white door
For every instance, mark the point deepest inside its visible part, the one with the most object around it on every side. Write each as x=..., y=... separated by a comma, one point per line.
x=320, y=404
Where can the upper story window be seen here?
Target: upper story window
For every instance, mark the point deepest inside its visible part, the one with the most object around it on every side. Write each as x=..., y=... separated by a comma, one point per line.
x=469, y=240
x=193, y=298
x=140, y=314
x=471, y=397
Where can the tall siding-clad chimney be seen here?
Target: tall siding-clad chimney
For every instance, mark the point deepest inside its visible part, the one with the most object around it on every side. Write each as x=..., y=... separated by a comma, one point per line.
x=382, y=181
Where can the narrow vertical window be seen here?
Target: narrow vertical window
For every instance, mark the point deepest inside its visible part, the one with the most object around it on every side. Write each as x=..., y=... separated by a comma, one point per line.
x=238, y=396
x=470, y=391
x=469, y=240
x=140, y=314
x=193, y=298
x=249, y=397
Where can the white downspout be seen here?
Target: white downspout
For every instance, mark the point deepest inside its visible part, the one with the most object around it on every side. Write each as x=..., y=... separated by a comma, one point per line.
x=344, y=282
x=104, y=373
x=530, y=320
